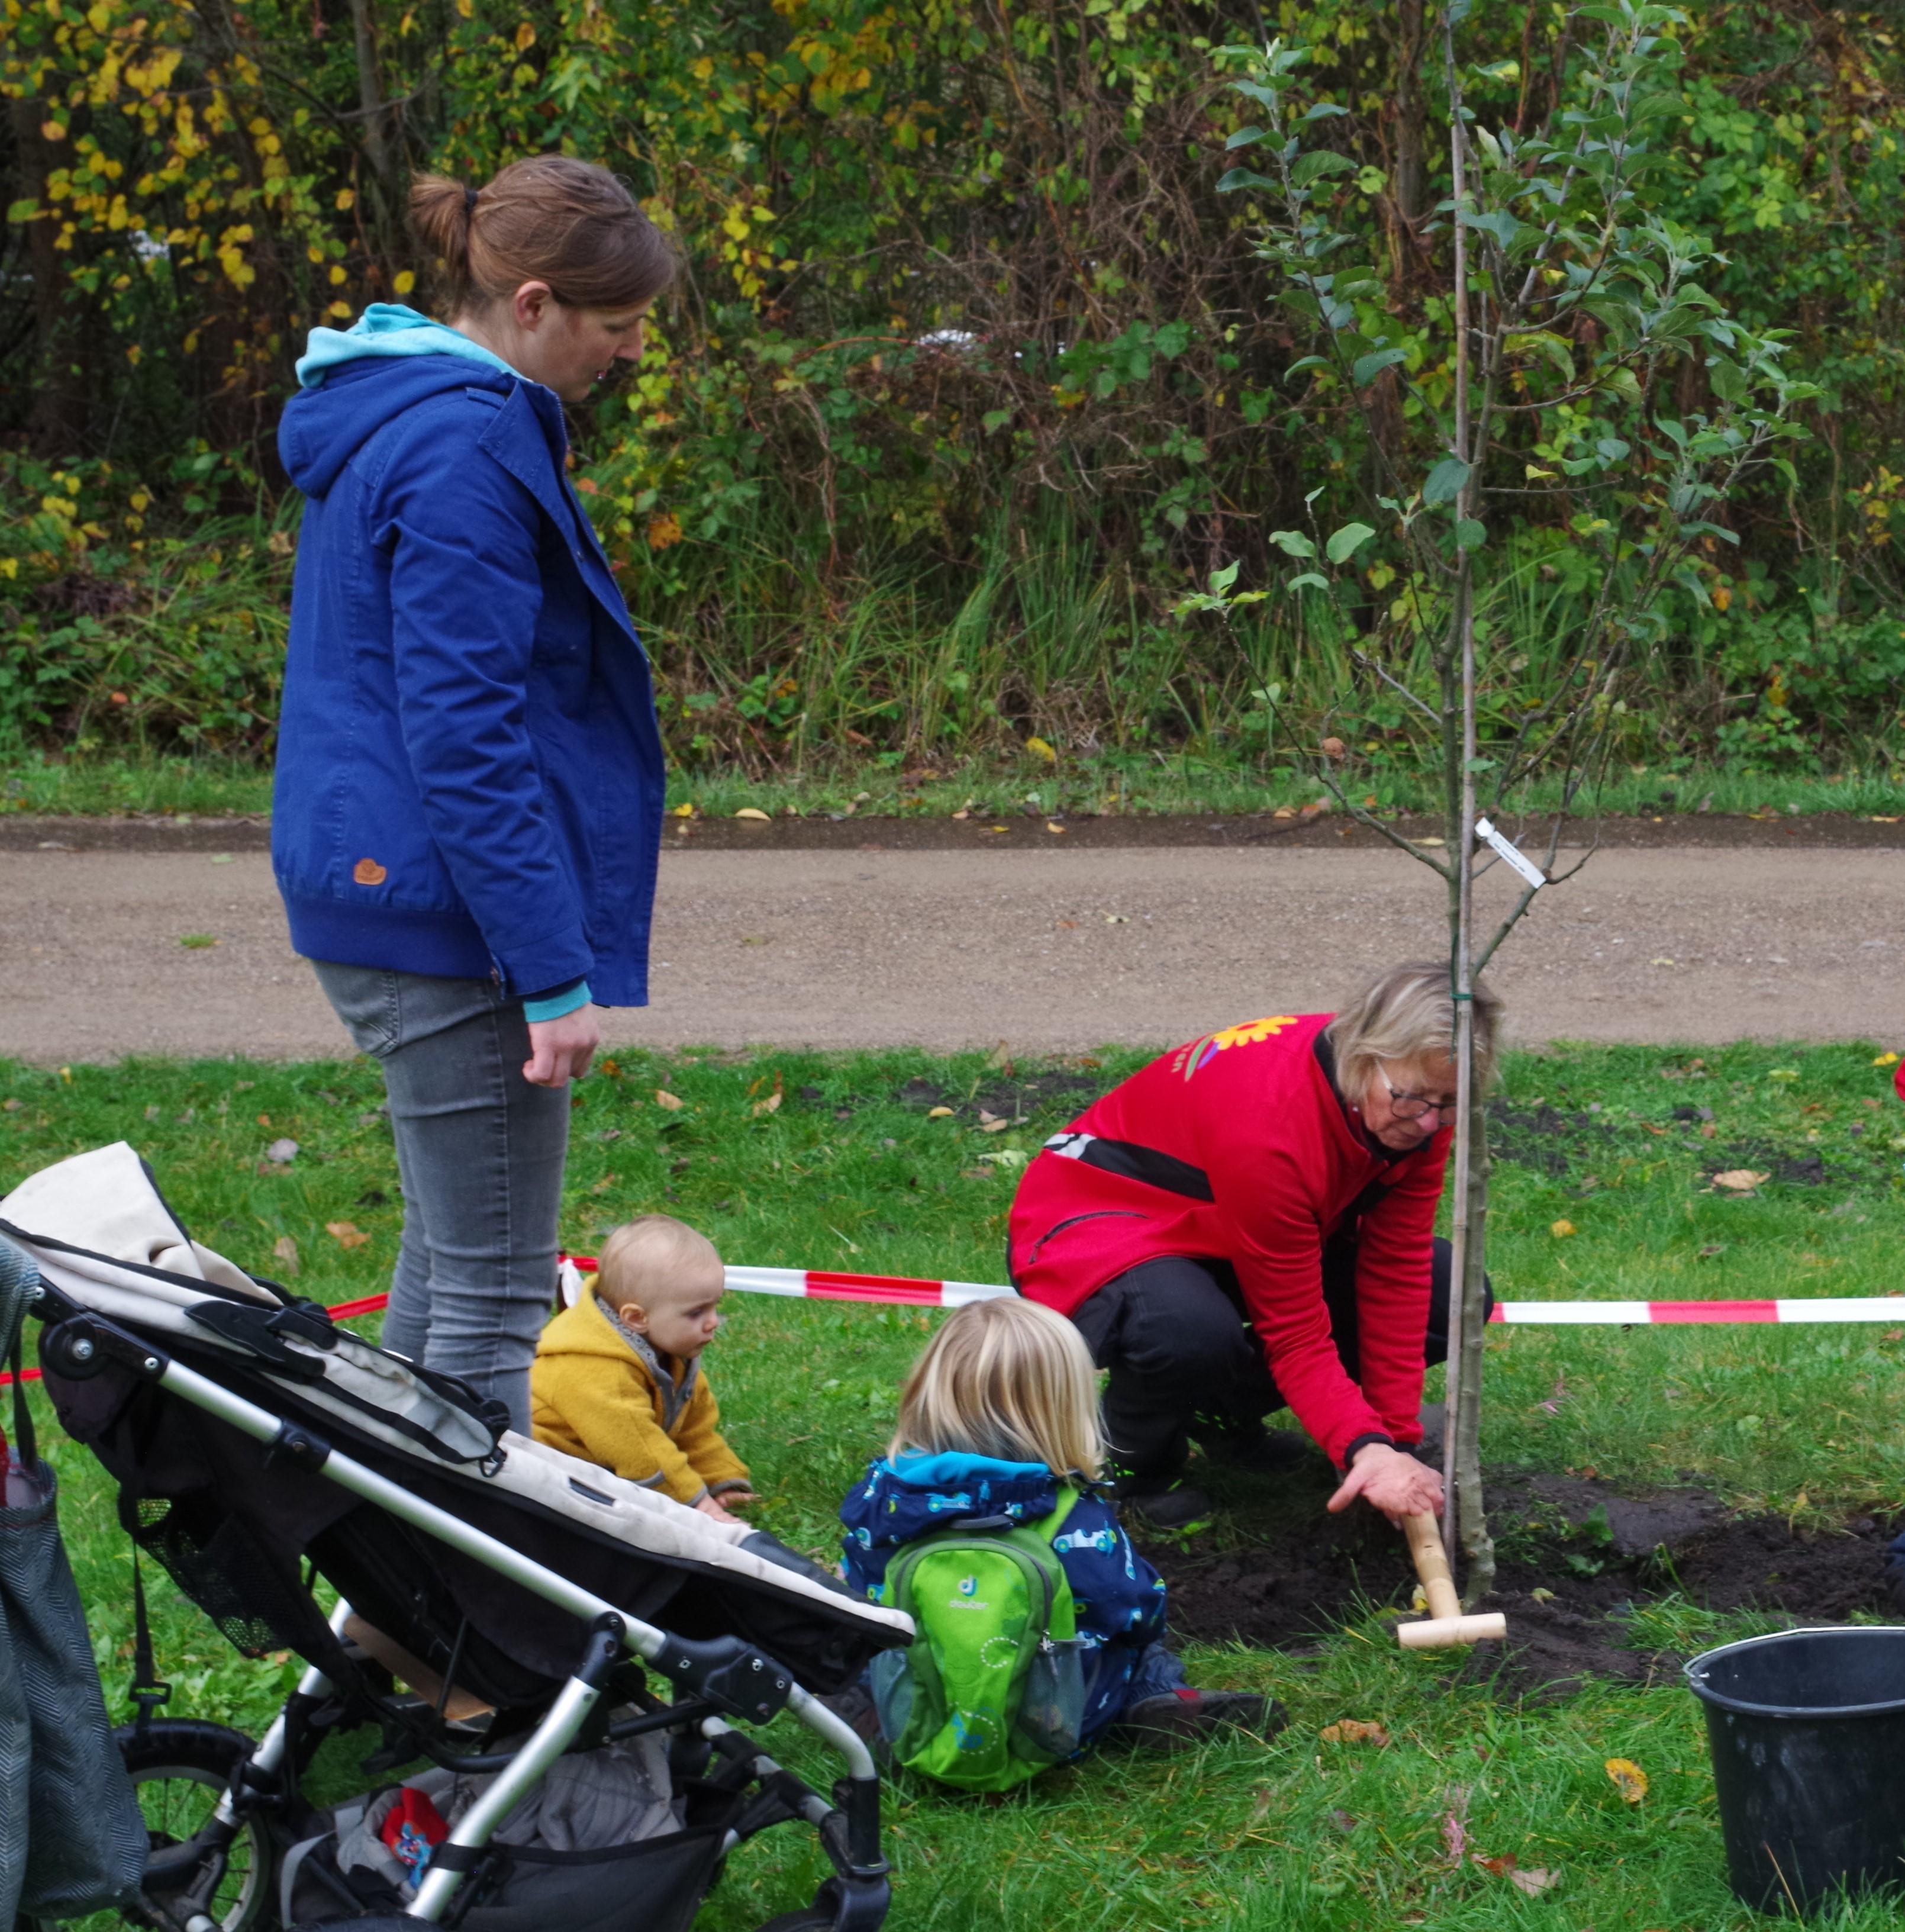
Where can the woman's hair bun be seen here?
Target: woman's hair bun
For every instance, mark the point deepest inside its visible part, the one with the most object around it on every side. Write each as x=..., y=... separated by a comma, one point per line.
x=547, y=219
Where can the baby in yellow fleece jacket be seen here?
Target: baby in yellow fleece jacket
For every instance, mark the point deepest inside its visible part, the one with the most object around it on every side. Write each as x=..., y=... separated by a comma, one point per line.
x=617, y=1379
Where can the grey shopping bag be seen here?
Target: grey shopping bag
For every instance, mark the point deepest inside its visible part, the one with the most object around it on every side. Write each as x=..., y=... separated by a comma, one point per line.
x=72, y=1838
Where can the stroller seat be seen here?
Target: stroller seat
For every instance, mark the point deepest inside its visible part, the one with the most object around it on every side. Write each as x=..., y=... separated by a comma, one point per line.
x=260, y=1447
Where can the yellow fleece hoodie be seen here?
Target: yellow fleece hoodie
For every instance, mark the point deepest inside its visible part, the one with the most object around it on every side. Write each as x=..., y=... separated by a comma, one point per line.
x=597, y=1390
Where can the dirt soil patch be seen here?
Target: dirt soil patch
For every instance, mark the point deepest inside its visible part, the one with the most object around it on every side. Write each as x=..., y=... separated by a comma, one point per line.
x=1279, y=1569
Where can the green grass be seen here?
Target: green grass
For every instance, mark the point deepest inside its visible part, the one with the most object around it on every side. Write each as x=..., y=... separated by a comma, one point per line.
x=210, y=786
x=1296, y=1833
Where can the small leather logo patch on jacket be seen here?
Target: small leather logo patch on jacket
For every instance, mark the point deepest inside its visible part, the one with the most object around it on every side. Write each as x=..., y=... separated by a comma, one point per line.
x=368, y=872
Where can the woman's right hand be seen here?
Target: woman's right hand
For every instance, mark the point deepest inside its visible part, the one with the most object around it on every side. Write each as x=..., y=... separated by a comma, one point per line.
x=560, y=1050
x=1393, y=1481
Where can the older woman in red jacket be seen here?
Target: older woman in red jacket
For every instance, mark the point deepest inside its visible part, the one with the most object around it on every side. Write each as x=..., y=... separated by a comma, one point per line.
x=1248, y=1223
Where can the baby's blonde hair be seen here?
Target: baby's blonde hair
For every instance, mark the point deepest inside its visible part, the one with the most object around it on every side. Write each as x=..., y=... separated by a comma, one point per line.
x=1010, y=1378
x=648, y=1253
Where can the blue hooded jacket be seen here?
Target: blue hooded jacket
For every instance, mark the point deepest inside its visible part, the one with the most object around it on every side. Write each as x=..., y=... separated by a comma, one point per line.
x=1118, y=1596
x=469, y=772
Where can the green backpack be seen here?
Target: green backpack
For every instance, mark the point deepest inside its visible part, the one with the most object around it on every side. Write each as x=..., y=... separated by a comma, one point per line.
x=992, y=1690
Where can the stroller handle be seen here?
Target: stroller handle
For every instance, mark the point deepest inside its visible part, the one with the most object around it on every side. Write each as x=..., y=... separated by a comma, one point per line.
x=677, y=1660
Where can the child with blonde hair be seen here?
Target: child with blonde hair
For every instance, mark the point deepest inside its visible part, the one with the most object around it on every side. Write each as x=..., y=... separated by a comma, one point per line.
x=617, y=1379
x=998, y=1432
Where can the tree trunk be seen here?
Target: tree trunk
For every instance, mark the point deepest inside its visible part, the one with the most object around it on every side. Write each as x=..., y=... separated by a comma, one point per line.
x=61, y=393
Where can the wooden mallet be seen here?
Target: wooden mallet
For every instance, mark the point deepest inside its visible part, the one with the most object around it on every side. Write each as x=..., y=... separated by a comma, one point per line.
x=1445, y=1626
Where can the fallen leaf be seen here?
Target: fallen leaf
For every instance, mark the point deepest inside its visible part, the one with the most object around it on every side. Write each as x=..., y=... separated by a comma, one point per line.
x=14, y=1106
x=770, y=1105
x=1432, y=841
x=1740, y=1179
x=1068, y=925
x=1354, y=1731
x=1116, y=919
x=1052, y=825
x=221, y=858
x=1040, y=749
x=282, y=1151
x=346, y=1233
x=753, y=811
x=977, y=1173
x=1007, y=1157
x=1535, y=1880
x=1455, y=1830
x=684, y=811
x=672, y=1101
x=1562, y=1228
x=1877, y=820
x=994, y=1126
x=284, y=1252
x=1334, y=749
x=1629, y=1779
x=1663, y=962
x=264, y=1119
x=1284, y=811
x=196, y=942
x=1312, y=810
x=1886, y=1059
x=962, y=815
x=939, y=1113
x=1499, y=1867
x=1543, y=1596
x=1709, y=1131
x=758, y=940
x=1344, y=1821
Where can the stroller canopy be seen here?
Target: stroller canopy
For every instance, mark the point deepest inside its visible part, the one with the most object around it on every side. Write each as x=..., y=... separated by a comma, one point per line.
x=231, y=1520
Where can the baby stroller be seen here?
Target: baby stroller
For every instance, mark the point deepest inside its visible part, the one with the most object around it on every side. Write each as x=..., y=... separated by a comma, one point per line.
x=506, y=1612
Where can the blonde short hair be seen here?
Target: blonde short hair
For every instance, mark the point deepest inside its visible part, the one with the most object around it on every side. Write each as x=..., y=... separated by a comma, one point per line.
x=1408, y=1016
x=649, y=1253
x=1010, y=1378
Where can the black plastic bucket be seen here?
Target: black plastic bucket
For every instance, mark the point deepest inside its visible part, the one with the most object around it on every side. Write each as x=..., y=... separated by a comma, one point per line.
x=1807, y=1731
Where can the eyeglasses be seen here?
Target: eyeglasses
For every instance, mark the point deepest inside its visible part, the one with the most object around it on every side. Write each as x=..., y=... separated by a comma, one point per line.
x=1413, y=1106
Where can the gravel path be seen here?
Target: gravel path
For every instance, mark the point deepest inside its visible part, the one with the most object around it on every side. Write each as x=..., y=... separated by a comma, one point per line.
x=1050, y=948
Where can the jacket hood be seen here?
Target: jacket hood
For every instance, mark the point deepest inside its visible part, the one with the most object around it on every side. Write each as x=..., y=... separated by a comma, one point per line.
x=585, y=1329
x=911, y=1495
x=327, y=422
x=386, y=330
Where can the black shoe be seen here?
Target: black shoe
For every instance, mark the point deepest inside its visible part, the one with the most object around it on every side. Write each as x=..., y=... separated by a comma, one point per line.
x=1259, y=1452
x=1163, y=1505
x=1179, y=1719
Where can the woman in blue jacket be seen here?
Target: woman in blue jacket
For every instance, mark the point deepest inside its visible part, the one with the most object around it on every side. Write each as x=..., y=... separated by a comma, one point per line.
x=469, y=780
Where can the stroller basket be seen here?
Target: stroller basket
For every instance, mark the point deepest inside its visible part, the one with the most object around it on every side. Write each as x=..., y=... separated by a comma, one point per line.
x=482, y=1575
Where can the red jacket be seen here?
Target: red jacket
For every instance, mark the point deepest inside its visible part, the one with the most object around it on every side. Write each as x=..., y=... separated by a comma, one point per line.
x=1248, y=1118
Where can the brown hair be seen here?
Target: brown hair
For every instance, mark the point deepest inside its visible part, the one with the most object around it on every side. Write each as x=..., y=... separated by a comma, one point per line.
x=1008, y=1378
x=547, y=219
x=1408, y=1016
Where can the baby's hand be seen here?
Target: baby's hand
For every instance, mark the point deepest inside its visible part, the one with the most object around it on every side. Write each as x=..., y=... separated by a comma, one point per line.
x=741, y=1496
x=709, y=1506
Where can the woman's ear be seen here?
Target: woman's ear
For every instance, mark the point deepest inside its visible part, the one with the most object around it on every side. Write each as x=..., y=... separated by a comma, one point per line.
x=530, y=305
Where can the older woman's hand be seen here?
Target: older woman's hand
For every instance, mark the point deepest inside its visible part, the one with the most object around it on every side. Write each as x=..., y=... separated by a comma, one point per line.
x=1392, y=1480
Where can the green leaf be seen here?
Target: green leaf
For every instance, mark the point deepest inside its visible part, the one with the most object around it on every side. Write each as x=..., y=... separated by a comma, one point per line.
x=994, y=419
x=1501, y=225
x=1222, y=580
x=1347, y=542
x=1310, y=580
x=1319, y=162
x=1729, y=379
x=1444, y=482
x=1293, y=543
x=1248, y=177
x=1308, y=362
x=1323, y=109
x=1543, y=343
x=1470, y=534
x=1368, y=367
x=1244, y=137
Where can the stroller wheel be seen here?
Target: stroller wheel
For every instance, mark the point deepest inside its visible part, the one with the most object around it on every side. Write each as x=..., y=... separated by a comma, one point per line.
x=180, y=1768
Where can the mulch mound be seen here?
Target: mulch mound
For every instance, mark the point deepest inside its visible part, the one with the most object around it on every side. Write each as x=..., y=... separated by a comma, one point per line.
x=1279, y=1571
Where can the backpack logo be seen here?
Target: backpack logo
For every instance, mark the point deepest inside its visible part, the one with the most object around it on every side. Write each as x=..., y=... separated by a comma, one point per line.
x=968, y=1597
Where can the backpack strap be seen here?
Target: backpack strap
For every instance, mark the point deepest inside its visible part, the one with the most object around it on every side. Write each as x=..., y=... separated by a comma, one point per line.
x=1049, y=1526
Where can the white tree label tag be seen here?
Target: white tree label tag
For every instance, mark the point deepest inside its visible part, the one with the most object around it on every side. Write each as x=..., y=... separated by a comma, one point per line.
x=1506, y=847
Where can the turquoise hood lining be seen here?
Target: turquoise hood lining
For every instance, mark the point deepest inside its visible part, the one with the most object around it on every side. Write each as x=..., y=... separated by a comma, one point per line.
x=389, y=328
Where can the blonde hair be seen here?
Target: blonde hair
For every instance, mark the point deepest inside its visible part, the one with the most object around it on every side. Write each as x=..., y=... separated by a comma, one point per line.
x=649, y=1252
x=1408, y=1016
x=549, y=218
x=1008, y=1378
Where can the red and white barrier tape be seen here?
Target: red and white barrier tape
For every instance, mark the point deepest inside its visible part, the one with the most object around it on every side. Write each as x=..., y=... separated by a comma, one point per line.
x=910, y=1291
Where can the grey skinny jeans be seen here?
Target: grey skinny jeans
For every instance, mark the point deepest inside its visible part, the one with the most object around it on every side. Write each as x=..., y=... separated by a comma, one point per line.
x=480, y=1154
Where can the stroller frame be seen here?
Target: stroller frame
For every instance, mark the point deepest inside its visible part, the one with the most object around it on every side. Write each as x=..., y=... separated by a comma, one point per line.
x=726, y=1677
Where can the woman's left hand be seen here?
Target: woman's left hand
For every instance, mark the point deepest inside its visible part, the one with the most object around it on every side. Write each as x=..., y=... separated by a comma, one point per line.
x=560, y=1050
x=1393, y=1481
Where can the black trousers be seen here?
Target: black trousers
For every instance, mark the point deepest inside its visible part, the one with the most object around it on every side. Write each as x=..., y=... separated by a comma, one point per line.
x=1185, y=1362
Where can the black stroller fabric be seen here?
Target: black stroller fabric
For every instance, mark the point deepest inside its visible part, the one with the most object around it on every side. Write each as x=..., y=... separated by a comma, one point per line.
x=72, y=1839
